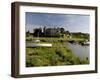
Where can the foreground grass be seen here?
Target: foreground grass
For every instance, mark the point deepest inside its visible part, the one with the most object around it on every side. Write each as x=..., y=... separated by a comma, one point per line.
x=52, y=56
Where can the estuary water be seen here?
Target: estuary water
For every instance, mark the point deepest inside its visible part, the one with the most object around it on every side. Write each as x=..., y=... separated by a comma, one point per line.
x=81, y=51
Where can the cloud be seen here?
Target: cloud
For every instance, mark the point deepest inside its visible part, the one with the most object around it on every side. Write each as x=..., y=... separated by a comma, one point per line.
x=71, y=22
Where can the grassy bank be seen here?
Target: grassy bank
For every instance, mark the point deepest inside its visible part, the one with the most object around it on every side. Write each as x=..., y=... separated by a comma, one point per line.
x=56, y=55
x=52, y=39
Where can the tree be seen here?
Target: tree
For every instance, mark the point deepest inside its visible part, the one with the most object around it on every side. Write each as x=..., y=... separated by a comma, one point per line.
x=28, y=33
x=62, y=30
x=37, y=32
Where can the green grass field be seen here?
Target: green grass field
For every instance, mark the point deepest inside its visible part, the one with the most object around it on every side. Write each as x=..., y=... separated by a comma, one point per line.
x=57, y=55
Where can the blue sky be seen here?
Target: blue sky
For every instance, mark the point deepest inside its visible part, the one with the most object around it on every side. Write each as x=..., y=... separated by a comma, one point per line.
x=71, y=22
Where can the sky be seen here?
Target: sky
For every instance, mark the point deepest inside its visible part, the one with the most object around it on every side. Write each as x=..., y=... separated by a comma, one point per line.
x=70, y=22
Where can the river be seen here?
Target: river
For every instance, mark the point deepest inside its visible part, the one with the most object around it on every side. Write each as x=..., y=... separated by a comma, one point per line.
x=79, y=50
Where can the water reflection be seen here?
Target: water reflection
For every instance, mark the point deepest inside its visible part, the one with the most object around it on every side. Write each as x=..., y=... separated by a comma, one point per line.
x=79, y=50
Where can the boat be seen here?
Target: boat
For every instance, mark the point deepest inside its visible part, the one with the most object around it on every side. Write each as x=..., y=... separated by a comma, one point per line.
x=85, y=43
